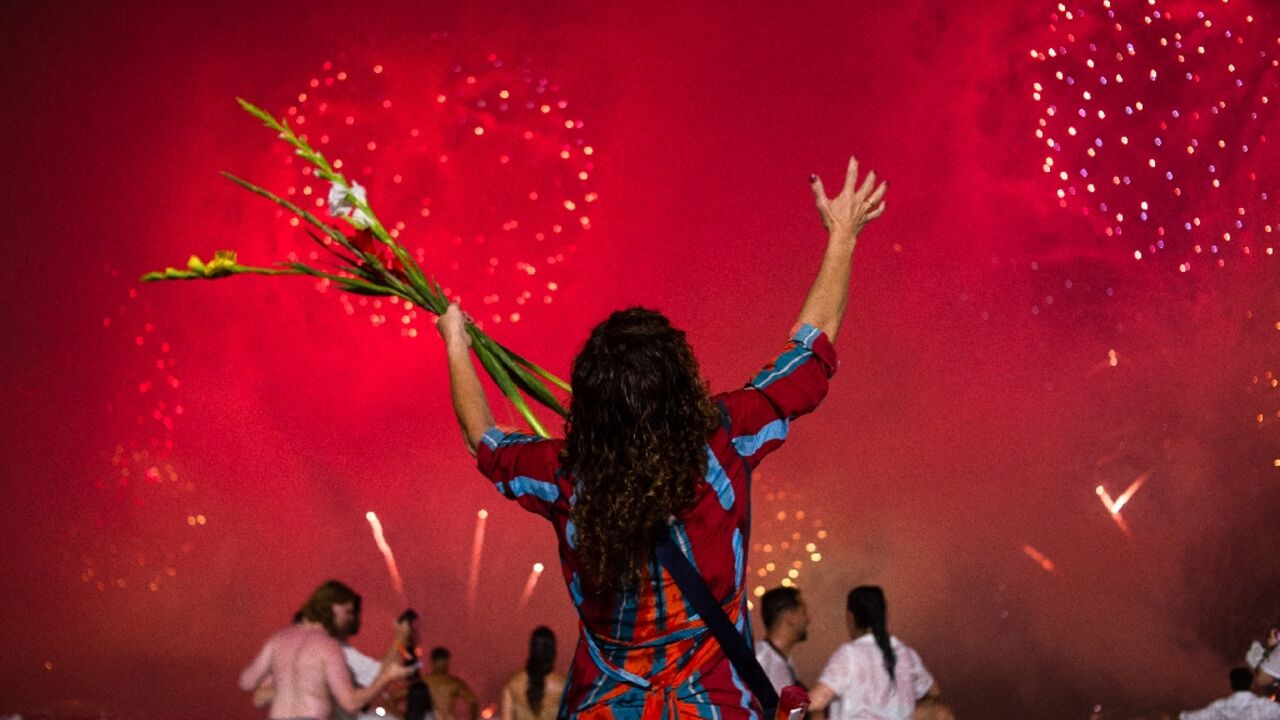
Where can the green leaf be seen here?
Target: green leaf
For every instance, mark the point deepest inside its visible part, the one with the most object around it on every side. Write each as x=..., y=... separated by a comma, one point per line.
x=508, y=388
x=555, y=379
x=526, y=380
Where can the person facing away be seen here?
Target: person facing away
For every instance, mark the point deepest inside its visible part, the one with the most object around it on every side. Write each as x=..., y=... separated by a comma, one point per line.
x=649, y=452
x=1241, y=704
x=347, y=610
x=535, y=692
x=786, y=624
x=874, y=676
x=447, y=689
x=307, y=666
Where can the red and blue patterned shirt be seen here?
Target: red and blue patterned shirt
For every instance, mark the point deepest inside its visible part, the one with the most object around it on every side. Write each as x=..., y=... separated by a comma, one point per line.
x=644, y=654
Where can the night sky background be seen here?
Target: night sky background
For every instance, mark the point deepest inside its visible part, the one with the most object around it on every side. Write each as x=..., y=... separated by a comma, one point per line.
x=183, y=463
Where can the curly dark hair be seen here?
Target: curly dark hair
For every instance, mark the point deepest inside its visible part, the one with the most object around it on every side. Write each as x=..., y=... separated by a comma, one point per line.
x=635, y=441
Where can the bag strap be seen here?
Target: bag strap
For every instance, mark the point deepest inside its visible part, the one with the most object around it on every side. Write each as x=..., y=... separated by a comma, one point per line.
x=732, y=642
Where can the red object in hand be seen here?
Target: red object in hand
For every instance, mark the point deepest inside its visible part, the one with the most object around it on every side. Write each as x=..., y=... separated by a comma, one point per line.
x=793, y=697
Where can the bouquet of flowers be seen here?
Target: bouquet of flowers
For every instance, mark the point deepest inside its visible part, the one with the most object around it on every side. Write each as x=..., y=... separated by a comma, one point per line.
x=371, y=262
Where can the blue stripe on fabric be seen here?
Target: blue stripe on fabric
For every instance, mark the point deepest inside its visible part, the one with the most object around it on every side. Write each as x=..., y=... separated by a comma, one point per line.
x=522, y=485
x=491, y=438
x=699, y=698
x=681, y=537
x=737, y=682
x=705, y=709
x=628, y=608
x=592, y=696
x=614, y=672
x=739, y=561
x=686, y=545
x=571, y=535
x=783, y=366
x=495, y=438
x=806, y=335
x=659, y=597
x=575, y=590
x=719, y=480
x=747, y=445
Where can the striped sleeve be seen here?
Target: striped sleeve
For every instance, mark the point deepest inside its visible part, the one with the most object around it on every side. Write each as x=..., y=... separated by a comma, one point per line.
x=522, y=467
x=758, y=417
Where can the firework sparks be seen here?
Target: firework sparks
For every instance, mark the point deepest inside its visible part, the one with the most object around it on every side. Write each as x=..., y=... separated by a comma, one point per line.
x=1154, y=119
x=530, y=584
x=791, y=539
x=473, y=576
x=1114, y=506
x=1039, y=558
x=483, y=169
x=146, y=522
x=385, y=549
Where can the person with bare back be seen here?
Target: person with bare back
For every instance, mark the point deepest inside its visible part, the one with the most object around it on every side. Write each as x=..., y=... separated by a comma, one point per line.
x=307, y=666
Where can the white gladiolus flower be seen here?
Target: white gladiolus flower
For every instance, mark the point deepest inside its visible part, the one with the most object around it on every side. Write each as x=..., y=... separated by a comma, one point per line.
x=340, y=204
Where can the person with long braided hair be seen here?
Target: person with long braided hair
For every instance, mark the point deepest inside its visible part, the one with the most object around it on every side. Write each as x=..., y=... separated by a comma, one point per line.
x=534, y=693
x=875, y=676
x=650, y=453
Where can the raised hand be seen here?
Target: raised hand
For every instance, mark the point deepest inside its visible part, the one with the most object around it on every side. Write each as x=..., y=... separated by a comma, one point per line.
x=847, y=213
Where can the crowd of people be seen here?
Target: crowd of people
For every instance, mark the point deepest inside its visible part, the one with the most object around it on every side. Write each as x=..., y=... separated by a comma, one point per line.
x=310, y=669
x=648, y=495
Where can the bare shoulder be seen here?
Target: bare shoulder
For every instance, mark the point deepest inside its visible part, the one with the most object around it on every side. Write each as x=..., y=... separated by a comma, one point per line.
x=556, y=682
x=322, y=644
x=517, y=682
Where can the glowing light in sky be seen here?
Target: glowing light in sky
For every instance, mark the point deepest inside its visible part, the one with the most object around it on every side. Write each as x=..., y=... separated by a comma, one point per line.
x=477, y=547
x=530, y=584
x=385, y=549
x=1114, y=506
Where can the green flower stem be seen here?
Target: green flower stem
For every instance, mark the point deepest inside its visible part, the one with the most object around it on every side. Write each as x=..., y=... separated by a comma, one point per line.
x=365, y=273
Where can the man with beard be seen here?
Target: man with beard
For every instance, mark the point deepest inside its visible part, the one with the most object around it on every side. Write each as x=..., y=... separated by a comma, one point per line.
x=786, y=624
x=306, y=665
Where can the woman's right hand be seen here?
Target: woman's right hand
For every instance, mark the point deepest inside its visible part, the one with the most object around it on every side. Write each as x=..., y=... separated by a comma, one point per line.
x=452, y=326
x=846, y=214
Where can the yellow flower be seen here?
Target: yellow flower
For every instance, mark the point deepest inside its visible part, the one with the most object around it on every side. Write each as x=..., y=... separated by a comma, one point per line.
x=222, y=264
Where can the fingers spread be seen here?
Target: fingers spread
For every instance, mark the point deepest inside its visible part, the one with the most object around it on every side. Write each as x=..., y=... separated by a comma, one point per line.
x=867, y=183
x=878, y=195
x=877, y=212
x=819, y=192
x=851, y=176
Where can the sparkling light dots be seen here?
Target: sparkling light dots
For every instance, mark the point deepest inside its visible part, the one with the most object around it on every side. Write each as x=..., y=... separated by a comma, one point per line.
x=482, y=167
x=1154, y=118
x=147, y=517
x=788, y=539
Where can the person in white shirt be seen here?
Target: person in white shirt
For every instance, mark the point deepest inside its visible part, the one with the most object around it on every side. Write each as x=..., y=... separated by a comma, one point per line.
x=304, y=671
x=1267, y=672
x=875, y=676
x=1241, y=704
x=786, y=624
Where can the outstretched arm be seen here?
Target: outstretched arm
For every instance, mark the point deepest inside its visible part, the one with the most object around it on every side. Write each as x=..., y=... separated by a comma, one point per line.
x=844, y=217
x=473, y=703
x=338, y=677
x=469, y=402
